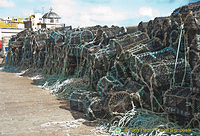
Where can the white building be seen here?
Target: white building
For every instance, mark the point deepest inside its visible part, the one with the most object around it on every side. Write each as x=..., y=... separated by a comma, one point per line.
x=36, y=21
x=51, y=20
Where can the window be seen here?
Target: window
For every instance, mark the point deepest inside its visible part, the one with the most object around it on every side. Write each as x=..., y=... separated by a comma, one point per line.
x=51, y=21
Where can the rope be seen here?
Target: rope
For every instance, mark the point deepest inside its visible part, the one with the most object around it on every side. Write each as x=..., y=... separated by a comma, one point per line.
x=179, y=43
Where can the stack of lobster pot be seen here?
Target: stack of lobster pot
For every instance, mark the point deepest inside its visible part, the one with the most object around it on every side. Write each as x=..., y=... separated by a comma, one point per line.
x=48, y=57
x=15, y=52
x=77, y=40
x=123, y=63
x=104, y=59
x=39, y=41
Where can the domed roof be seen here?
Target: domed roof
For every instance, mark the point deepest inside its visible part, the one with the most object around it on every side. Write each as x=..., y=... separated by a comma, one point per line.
x=51, y=15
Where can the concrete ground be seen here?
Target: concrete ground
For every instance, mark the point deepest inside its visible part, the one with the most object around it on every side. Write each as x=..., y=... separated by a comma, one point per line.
x=26, y=110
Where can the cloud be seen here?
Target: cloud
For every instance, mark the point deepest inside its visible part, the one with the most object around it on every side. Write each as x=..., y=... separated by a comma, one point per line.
x=29, y=0
x=28, y=12
x=97, y=1
x=148, y=12
x=106, y=14
x=74, y=14
x=6, y=3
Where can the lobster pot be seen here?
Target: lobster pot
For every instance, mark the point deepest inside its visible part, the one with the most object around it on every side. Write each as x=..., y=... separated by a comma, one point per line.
x=160, y=74
x=94, y=29
x=41, y=36
x=102, y=59
x=139, y=93
x=89, y=50
x=77, y=100
x=107, y=84
x=128, y=41
x=119, y=102
x=194, y=56
x=196, y=76
x=71, y=65
x=80, y=36
x=181, y=101
x=136, y=61
x=96, y=109
x=75, y=51
x=89, y=98
x=56, y=37
x=95, y=76
x=113, y=31
x=133, y=86
x=94, y=106
x=104, y=34
x=21, y=35
x=41, y=44
x=148, y=46
x=100, y=65
x=121, y=70
x=17, y=44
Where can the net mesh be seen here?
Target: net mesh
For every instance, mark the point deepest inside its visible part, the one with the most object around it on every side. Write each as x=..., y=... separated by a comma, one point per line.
x=182, y=101
x=196, y=75
x=161, y=73
x=89, y=103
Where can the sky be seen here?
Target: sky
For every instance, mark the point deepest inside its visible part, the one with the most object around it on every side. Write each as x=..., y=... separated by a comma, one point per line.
x=93, y=12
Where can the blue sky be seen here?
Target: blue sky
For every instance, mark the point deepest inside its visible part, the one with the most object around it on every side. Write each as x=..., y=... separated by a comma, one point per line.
x=92, y=12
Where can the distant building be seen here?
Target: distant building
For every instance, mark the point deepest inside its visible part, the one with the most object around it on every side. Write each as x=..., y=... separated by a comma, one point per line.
x=38, y=21
x=12, y=23
x=34, y=22
x=8, y=27
x=12, y=26
x=51, y=20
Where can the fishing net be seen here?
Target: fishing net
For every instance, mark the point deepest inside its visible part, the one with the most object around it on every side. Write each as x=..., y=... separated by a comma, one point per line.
x=144, y=122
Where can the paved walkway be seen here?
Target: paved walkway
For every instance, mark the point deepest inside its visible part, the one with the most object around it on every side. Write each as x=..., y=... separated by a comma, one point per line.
x=26, y=110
